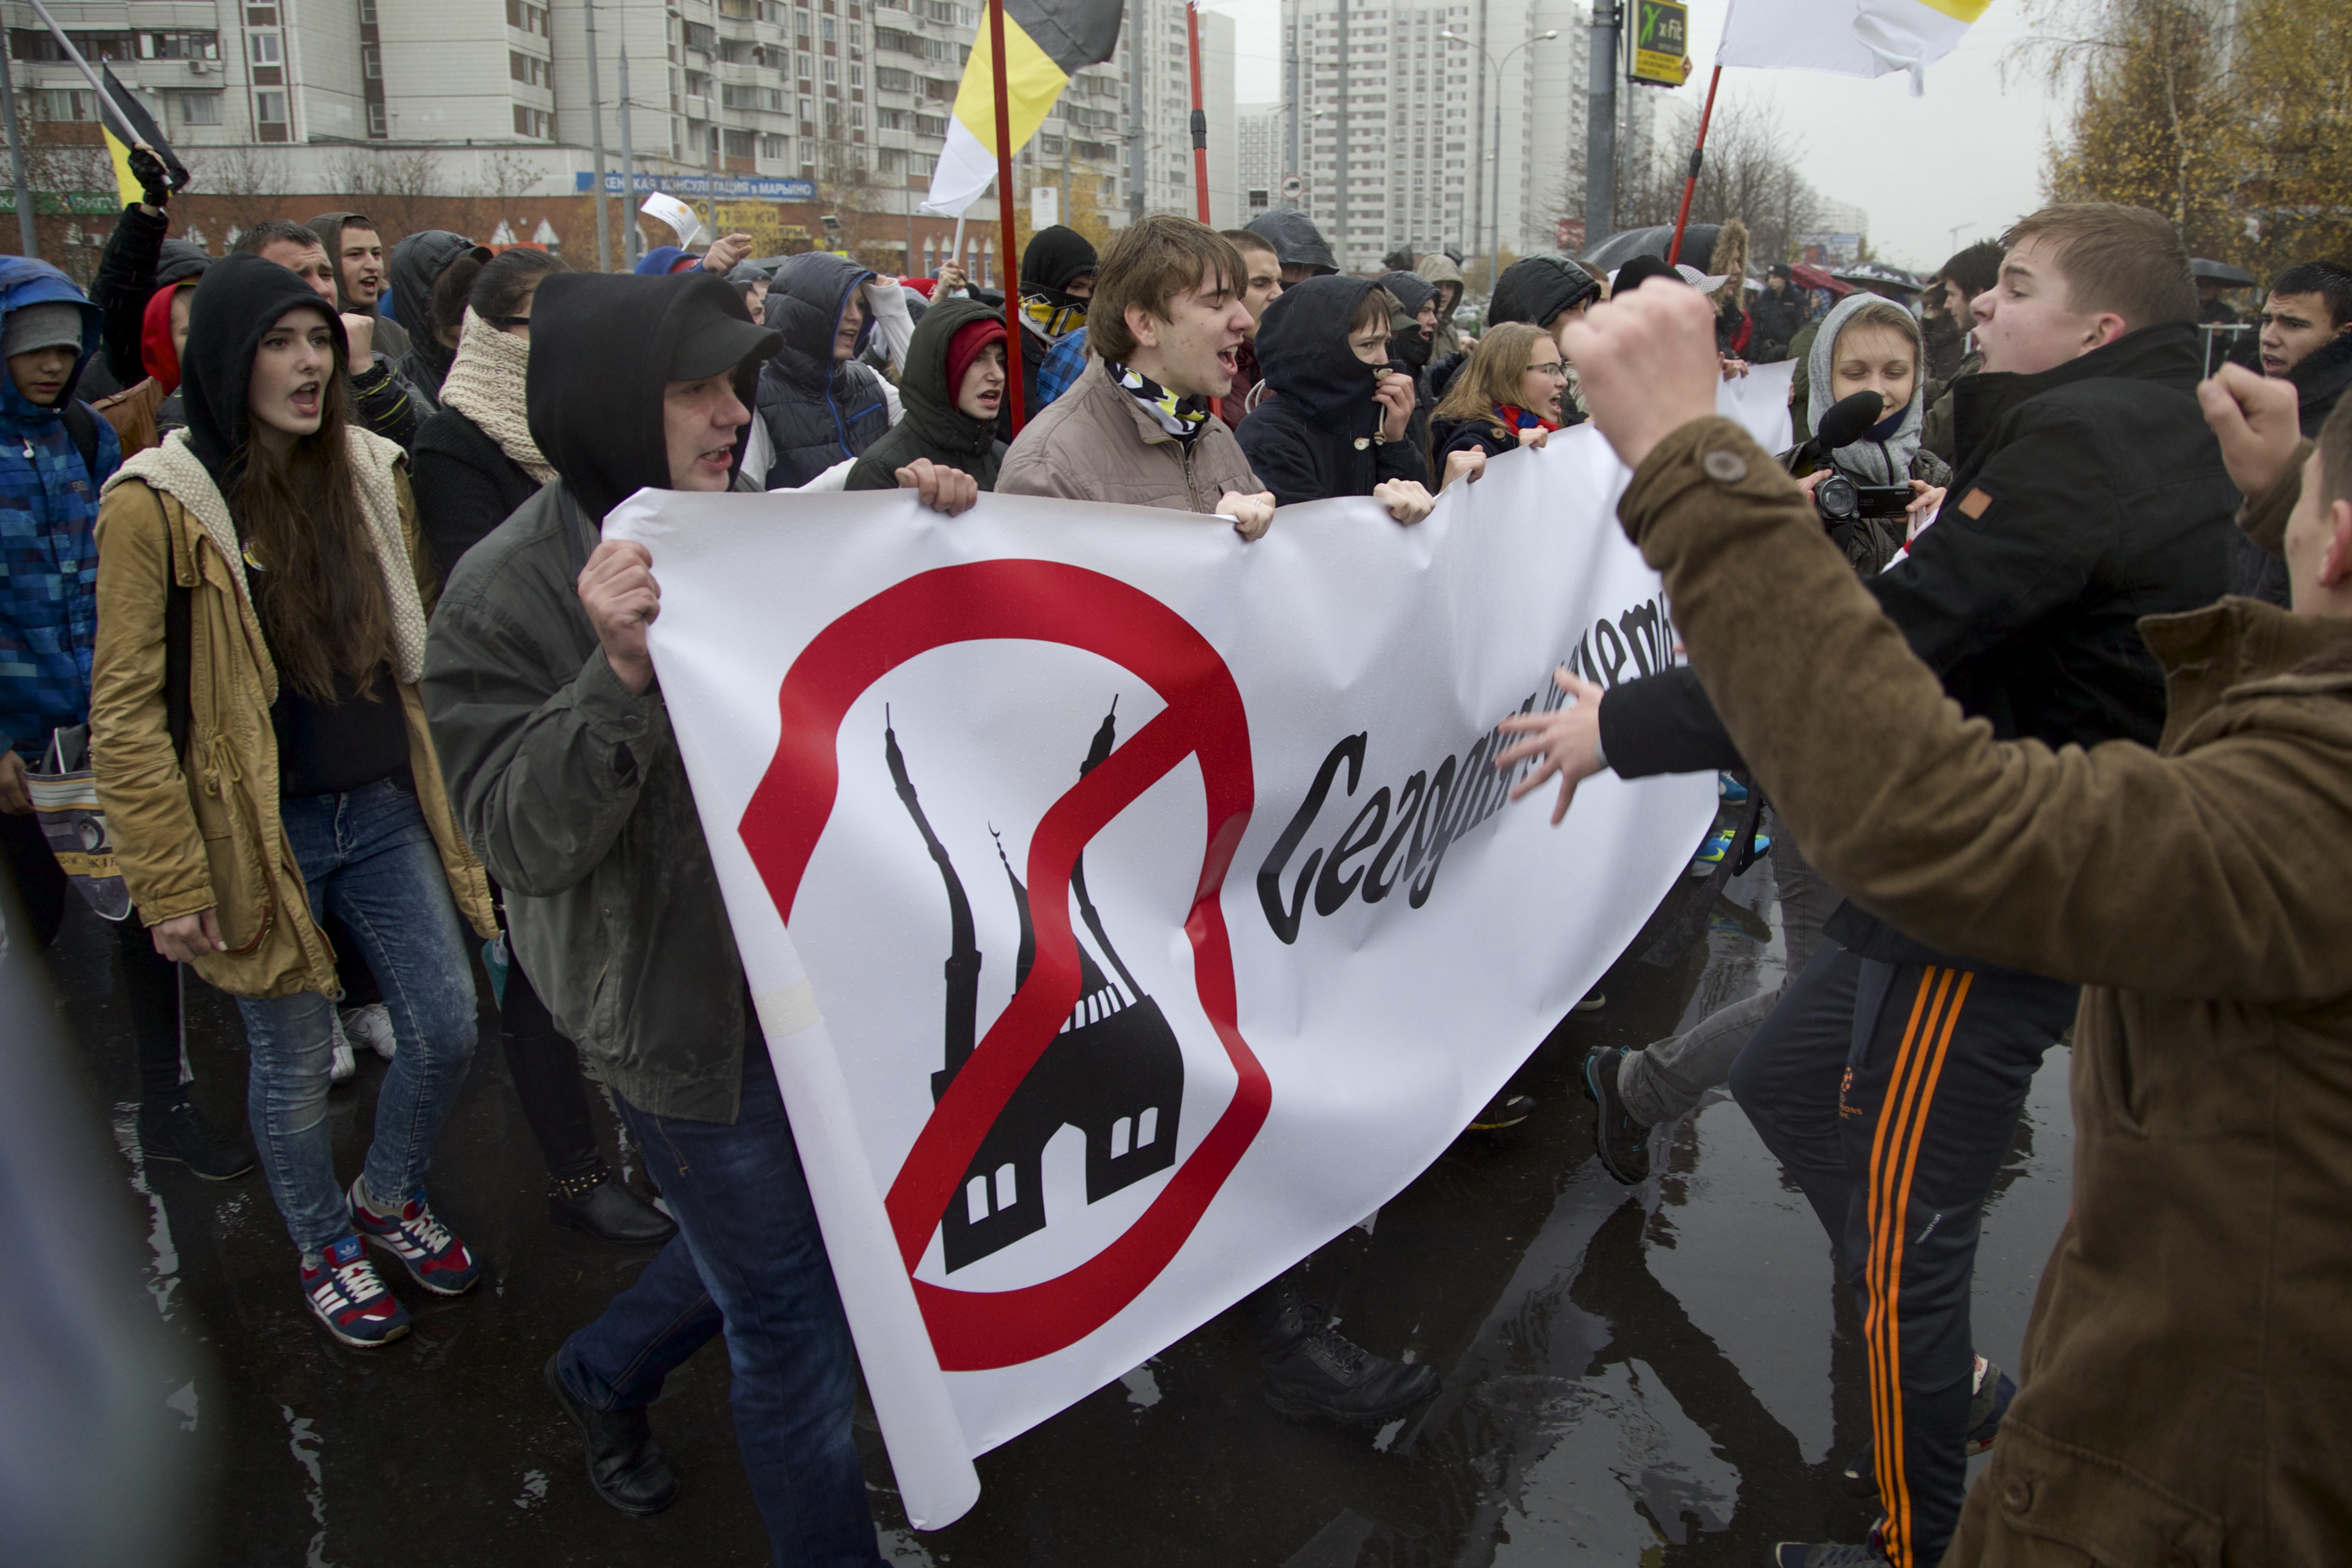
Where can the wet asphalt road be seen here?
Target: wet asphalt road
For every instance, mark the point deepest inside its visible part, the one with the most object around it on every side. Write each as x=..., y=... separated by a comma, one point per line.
x=1654, y=1375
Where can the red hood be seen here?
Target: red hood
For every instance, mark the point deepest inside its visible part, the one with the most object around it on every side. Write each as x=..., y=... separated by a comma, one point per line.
x=155, y=338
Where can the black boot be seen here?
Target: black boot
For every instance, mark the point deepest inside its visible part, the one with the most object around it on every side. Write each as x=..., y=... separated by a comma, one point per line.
x=1314, y=1374
x=176, y=1130
x=1622, y=1142
x=607, y=1210
x=624, y=1464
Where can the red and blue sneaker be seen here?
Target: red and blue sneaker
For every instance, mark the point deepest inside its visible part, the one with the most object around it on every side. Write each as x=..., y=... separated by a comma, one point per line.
x=434, y=1258
x=343, y=1291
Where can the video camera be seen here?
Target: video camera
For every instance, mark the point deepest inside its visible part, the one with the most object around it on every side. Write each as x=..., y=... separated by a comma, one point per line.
x=1837, y=498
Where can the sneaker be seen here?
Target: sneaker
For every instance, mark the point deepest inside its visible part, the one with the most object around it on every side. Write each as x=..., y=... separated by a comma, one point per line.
x=1991, y=1389
x=1503, y=1111
x=434, y=1258
x=1718, y=845
x=1313, y=1372
x=1622, y=1142
x=176, y=1130
x=343, y=1291
x=1591, y=1001
x=341, y=1065
x=370, y=1025
x=1729, y=790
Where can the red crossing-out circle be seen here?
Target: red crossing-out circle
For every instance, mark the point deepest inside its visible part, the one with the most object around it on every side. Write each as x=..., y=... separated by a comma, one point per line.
x=1035, y=601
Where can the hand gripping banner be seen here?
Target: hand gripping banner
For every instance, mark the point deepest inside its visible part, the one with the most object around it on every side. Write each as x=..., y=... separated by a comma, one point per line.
x=1132, y=910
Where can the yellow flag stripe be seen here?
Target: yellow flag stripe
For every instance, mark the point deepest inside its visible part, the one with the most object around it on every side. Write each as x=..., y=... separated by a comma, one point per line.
x=1031, y=83
x=126, y=184
x=1958, y=10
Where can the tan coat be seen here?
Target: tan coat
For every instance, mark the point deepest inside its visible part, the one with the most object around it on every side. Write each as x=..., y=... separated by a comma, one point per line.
x=210, y=837
x=2187, y=1383
x=1094, y=442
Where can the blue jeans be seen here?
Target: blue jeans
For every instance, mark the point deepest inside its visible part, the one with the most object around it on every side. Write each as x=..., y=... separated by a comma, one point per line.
x=369, y=857
x=748, y=1260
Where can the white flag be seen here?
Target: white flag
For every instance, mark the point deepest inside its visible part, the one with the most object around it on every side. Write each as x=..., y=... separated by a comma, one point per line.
x=1132, y=910
x=1850, y=38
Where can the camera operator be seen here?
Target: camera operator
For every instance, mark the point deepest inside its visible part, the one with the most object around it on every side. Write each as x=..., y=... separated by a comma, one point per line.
x=2089, y=493
x=1891, y=485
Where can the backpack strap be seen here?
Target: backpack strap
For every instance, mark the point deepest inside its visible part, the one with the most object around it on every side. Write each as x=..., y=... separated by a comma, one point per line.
x=178, y=638
x=81, y=424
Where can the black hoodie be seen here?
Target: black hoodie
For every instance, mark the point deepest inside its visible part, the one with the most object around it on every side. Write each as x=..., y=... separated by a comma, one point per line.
x=137, y=261
x=600, y=353
x=1535, y=288
x=418, y=263
x=1056, y=256
x=1319, y=435
x=391, y=338
x=816, y=412
x=934, y=427
x=240, y=300
x=1296, y=241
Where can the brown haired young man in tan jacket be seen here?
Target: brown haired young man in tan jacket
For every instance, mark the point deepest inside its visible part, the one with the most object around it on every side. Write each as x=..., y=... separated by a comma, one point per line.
x=2187, y=1383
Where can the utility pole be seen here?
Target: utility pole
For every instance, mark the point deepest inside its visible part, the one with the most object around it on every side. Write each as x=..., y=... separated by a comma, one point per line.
x=596, y=148
x=1137, y=152
x=1293, y=165
x=1340, y=169
x=1601, y=128
x=26, y=238
x=629, y=236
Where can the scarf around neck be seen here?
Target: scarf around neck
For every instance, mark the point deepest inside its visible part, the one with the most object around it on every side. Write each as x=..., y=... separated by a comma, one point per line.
x=1875, y=459
x=1051, y=316
x=486, y=382
x=1181, y=418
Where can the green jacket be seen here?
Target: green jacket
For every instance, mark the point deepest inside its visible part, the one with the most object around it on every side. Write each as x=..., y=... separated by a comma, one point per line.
x=2186, y=1389
x=932, y=426
x=571, y=791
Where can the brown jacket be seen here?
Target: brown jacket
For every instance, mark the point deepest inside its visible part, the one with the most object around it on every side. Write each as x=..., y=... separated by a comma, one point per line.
x=210, y=837
x=132, y=412
x=2186, y=1385
x=1094, y=442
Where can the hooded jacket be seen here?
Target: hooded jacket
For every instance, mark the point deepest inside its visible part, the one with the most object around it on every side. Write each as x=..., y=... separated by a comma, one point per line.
x=48, y=552
x=1296, y=241
x=1445, y=278
x=1057, y=256
x=817, y=411
x=1410, y=347
x=391, y=338
x=568, y=784
x=202, y=828
x=2087, y=496
x=1534, y=289
x=664, y=260
x=1892, y=458
x=418, y=263
x=138, y=260
x=2182, y=1396
x=933, y=426
x=1318, y=436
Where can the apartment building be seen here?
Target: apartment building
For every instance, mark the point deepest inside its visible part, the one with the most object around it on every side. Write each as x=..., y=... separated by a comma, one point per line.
x=1258, y=146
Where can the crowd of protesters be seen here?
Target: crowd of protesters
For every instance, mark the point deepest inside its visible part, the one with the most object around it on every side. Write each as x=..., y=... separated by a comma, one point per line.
x=303, y=571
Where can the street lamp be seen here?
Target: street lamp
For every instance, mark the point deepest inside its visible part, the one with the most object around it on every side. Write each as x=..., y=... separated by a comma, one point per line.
x=1495, y=211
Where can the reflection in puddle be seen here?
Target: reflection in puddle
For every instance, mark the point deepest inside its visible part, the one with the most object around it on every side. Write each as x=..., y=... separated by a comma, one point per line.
x=306, y=1443
x=164, y=1272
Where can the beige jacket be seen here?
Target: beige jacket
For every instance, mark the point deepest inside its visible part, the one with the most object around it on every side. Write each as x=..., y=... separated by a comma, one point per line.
x=2187, y=1383
x=209, y=835
x=1094, y=442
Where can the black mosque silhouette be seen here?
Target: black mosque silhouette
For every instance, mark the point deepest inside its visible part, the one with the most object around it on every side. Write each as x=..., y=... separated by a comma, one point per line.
x=1114, y=1071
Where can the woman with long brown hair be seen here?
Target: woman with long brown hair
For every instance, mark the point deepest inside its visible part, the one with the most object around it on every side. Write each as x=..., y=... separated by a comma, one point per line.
x=262, y=754
x=1510, y=395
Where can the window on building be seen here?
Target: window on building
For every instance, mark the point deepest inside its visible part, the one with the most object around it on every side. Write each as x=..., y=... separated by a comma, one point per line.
x=199, y=108
x=270, y=108
x=890, y=80
x=64, y=103
x=856, y=73
x=739, y=143
x=170, y=46
x=806, y=72
x=832, y=70
x=826, y=26
x=376, y=126
x=371, y=62
x=264, y=48
x=774, y=147
x=367, y=12
x=536, y=123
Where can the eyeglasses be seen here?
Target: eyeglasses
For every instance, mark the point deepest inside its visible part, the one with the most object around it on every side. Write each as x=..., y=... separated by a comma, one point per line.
x=1555, y=370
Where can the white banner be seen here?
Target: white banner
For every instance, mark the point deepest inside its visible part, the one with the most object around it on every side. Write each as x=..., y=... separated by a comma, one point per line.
x=1132, y=910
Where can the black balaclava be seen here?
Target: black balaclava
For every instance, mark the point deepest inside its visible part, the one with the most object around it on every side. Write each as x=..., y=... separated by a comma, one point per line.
x=1640, y=269
x=1056, y=257
x=240, y=299
x=601, y=346
x=1408, y=341
x=1303, y=352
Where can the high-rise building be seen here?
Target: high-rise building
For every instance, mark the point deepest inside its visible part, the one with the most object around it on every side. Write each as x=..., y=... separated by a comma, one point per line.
x=1159, y=166
x=1258, y=140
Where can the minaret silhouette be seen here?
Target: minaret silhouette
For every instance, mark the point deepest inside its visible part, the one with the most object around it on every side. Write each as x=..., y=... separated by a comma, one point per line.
x=1113, y=1070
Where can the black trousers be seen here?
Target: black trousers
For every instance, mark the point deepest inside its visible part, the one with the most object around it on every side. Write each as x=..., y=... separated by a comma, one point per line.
x=1890, y=1093
x=150, y=983
x=545, y=1066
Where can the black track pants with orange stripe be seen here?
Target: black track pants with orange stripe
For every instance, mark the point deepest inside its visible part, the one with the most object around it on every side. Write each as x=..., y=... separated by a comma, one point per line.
x=1890, y=1092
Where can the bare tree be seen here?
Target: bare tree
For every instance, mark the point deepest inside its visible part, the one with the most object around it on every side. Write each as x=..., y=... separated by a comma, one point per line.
x=506, y=174
x=1749, y=174
x=248, y=181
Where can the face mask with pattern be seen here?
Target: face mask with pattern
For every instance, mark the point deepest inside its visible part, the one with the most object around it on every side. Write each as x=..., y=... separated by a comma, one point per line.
x=1049, y=321
x=1180, y=416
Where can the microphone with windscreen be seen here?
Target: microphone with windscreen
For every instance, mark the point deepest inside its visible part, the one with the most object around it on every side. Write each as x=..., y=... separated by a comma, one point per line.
x=1838, y=499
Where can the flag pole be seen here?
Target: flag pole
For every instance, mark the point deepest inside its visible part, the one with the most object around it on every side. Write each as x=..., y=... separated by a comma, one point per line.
x=1004, y=243
x=107, y=108
x=1200, y=119
x=1698, y=156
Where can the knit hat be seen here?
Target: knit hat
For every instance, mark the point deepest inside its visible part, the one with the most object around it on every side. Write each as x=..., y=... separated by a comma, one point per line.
x=48, y=324
x=972, y=340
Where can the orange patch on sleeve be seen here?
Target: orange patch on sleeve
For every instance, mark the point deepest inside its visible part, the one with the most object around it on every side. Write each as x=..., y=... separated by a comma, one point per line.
x=1974, y=503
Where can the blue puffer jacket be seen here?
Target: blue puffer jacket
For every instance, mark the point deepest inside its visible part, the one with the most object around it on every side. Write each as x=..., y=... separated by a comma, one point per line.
x=817, y=411
x=49, y=557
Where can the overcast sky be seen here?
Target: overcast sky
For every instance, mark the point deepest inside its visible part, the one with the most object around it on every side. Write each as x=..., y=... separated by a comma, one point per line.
x=1969, y=153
